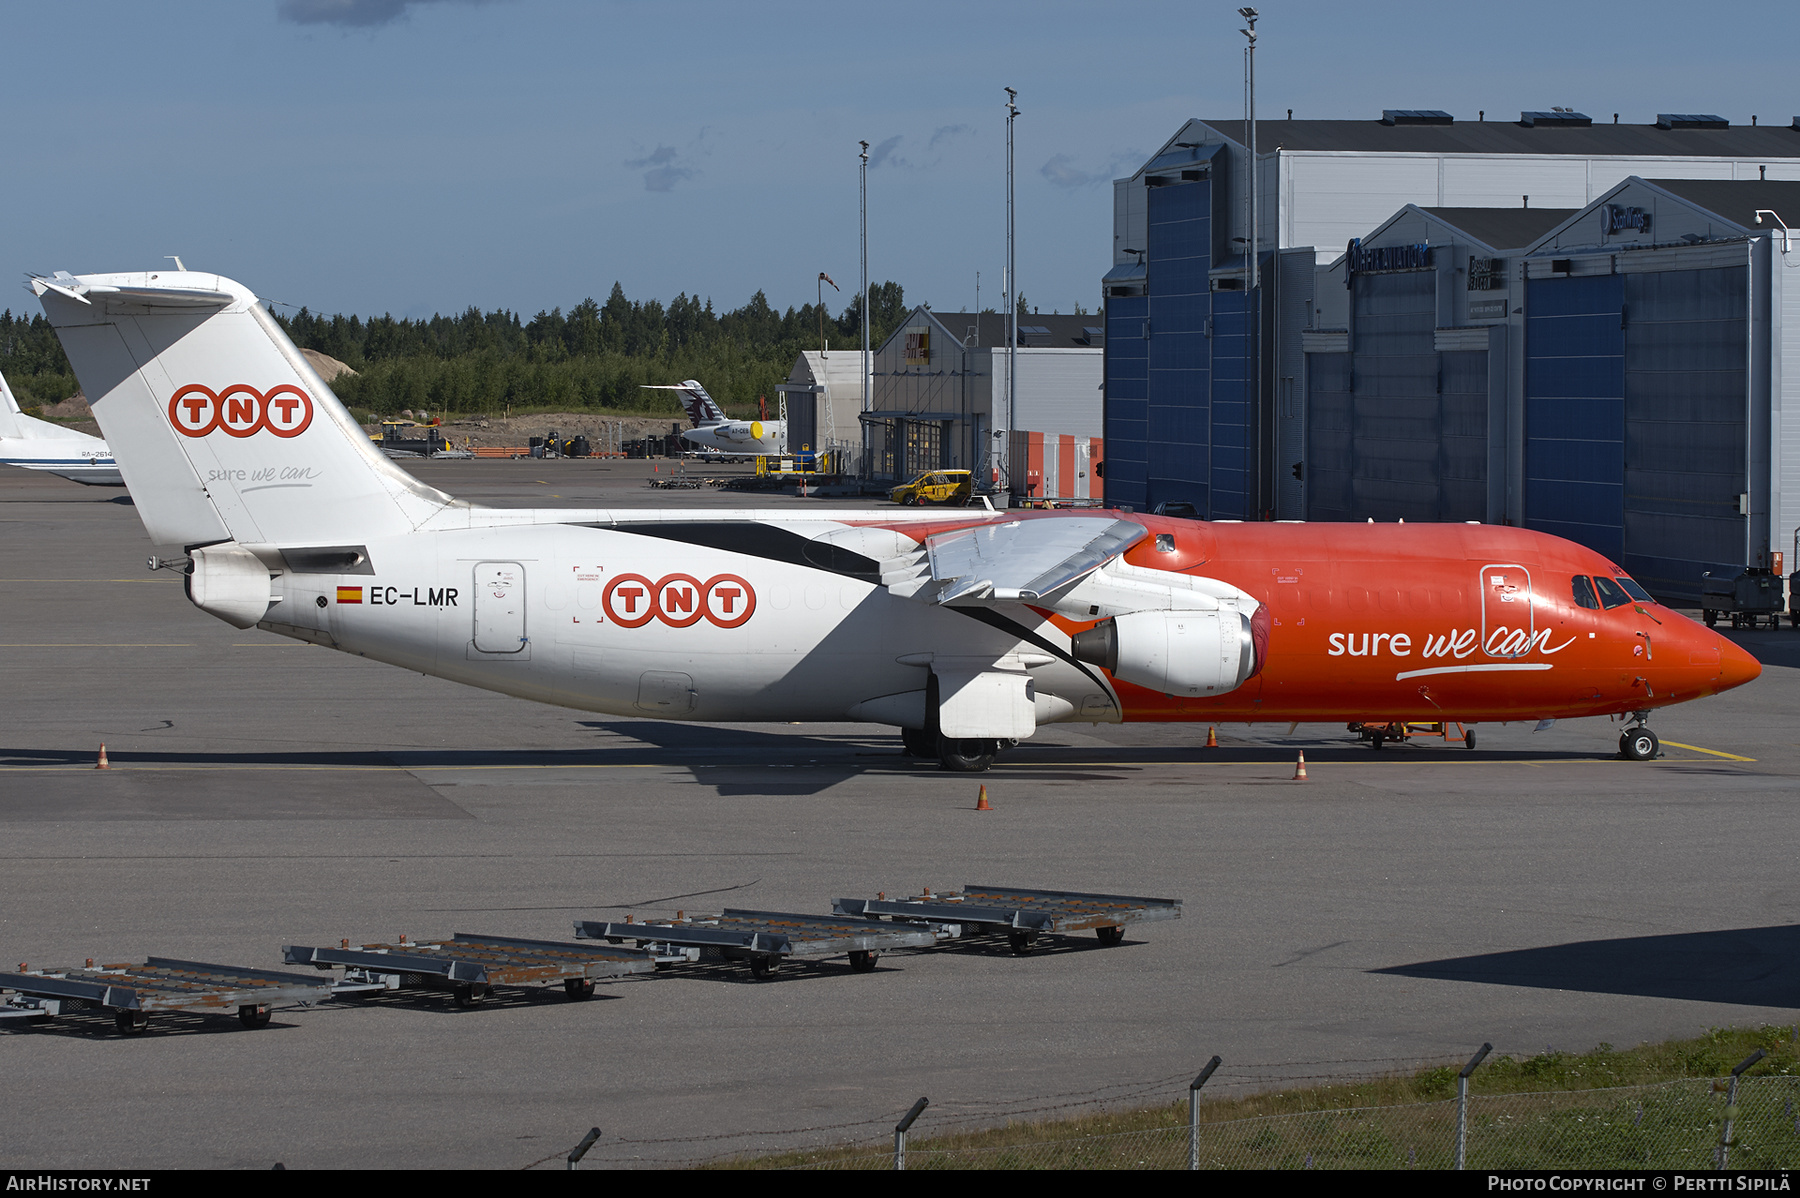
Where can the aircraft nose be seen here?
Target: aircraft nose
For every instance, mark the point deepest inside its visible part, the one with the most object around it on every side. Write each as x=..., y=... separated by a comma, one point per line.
x=1736, y=666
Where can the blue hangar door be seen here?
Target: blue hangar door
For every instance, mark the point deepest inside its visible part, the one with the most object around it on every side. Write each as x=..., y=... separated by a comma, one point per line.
x=1178, y=375
x=1575, y=410
x=1636, y=437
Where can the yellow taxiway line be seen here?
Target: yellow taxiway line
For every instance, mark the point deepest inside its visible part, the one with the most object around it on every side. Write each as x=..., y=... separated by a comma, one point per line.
x=1714, y=752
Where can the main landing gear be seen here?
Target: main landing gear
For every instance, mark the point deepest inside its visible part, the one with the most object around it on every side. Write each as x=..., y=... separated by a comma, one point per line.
x=959, y=755
x=1639, y=744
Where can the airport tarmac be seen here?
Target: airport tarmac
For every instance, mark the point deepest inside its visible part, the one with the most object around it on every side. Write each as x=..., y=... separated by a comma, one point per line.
x=1398, y=907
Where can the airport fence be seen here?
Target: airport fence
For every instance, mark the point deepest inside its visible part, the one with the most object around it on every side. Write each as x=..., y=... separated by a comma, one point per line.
x=1681, y=1125
x=1586, y=1112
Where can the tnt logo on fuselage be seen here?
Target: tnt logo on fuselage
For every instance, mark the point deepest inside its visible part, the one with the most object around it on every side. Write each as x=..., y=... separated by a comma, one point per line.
x=240, y=410
x=678, y=600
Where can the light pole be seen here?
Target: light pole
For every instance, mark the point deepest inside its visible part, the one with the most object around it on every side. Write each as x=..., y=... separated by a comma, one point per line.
x=1003, y=413
x=863, y=187
x=824, y=347
x=1253, y=297
x=1250, y=15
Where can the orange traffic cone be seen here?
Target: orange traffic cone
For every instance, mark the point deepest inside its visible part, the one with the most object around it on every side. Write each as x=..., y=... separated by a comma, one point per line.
x=981, y=803
x=1212, y=737
x=1300, y=768
x=102, y=763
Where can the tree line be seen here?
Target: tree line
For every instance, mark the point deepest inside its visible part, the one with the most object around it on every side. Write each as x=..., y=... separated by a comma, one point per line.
x=32, y=360
x=593, y=356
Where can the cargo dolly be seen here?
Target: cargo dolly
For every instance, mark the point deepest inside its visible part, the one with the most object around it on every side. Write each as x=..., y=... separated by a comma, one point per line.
x=763, y=938
x=1405, y=730
x=469, y=966
x=1022, y=913
x=133, y=992
x=1749, y=597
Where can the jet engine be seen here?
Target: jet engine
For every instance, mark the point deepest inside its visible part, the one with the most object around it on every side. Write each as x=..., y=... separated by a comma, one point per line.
x=1192, y=653
x=231, y=583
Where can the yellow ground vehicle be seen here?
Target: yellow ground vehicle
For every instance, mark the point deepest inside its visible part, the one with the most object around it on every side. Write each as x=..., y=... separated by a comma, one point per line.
x=951, y=487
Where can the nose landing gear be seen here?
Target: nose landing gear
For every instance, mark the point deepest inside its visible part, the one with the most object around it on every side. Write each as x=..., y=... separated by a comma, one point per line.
x=1639, y=744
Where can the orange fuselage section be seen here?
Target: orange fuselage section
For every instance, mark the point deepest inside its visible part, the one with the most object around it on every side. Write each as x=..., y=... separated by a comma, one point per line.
x=1382, y=622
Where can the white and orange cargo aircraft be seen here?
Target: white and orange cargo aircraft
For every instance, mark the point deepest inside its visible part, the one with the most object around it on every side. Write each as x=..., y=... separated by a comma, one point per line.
x=965, y=629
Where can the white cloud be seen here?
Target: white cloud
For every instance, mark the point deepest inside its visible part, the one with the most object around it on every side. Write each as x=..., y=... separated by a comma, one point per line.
x=663, y=173
x=352, y=13
x=1062, y=171
x=884, y=153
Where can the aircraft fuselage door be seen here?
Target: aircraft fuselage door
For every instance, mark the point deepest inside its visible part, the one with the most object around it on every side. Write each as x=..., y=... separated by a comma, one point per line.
x=1506, y=615
x=500, y=607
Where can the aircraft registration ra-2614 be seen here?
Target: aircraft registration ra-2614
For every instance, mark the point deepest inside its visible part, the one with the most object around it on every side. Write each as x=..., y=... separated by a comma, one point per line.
x=967, y=630
x=39, y=445
x=716, y=431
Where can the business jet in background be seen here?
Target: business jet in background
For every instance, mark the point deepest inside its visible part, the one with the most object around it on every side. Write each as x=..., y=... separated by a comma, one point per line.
x=712, y=430
x=967, y=630
x=40, y=445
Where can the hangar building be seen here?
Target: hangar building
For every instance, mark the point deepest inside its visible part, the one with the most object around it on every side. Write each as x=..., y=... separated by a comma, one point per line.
x=824, y=402
x=1205, y=374
x=1619, y=379
x=936, y=379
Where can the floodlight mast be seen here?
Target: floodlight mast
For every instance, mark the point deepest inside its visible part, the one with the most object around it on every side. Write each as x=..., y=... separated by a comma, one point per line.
x=1250, y=15
x=1253, y=296
x=863, y=178
x=1003, y=415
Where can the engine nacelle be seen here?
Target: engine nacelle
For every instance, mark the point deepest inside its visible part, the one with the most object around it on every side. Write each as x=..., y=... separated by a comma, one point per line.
x=1192, y=653
x=231, y=583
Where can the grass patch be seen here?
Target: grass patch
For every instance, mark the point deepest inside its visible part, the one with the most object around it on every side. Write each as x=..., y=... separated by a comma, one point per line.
x=1604, y=1108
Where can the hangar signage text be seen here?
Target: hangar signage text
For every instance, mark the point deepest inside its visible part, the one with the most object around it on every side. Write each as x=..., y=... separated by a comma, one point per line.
x=1381, y=259
x=1619, y=219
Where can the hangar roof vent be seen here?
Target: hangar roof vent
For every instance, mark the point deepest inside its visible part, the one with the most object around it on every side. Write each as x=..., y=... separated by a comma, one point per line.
x=1556, y=116
x=1690, y=120
x=1416, y=116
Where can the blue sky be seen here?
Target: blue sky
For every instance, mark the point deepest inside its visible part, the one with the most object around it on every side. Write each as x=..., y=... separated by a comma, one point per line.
x=412, y=156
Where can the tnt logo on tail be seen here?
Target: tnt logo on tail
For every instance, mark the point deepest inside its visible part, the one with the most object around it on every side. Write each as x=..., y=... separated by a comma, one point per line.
x=196, y=410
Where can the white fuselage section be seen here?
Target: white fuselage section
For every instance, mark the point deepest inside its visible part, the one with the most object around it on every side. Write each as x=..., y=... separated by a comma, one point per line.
x=40, y=445
x=83, y=462
x=757, y=437
x=635, y=625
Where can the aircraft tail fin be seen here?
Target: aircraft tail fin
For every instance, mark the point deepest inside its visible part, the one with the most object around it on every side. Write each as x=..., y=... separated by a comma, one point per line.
x=222, y=429
x=700, y=406
x=10, y=417
x=16, y=425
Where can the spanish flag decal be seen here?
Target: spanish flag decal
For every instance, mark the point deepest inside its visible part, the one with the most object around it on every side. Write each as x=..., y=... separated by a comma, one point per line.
x=349, y=594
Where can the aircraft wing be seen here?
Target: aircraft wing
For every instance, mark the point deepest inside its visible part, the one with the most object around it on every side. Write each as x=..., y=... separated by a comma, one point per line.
x=1018, y=561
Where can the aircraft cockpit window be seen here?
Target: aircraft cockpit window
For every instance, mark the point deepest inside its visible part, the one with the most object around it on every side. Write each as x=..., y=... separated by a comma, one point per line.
x=1633, y=589
x=1610, y=593
x=1584, y=593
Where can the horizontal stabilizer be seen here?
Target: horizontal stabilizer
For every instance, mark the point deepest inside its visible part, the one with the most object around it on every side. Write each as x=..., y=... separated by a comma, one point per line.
x=111, y=296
